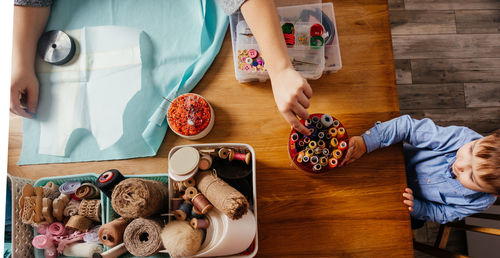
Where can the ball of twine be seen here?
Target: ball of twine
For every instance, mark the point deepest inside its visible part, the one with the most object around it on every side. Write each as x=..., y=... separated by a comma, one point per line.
x=142, y=237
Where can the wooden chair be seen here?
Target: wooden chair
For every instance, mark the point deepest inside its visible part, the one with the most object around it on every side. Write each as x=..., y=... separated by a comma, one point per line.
x=439, y=248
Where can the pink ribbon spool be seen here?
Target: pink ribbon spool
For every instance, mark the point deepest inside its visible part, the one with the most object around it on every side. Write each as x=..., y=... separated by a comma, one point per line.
x=45, y=242
x=42, y=229
x=57, y=229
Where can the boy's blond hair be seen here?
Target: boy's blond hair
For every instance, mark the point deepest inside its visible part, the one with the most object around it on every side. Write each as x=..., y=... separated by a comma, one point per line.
x=489, y=151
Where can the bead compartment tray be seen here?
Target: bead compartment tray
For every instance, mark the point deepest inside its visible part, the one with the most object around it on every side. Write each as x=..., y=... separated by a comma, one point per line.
x=299, y=144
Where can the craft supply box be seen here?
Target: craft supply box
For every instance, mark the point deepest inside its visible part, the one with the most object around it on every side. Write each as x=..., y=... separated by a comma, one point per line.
x=310, y=61
x=23, y=234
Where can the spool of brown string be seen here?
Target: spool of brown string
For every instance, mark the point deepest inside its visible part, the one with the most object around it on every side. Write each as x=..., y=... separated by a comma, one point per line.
x=78, y=223
x=87, y=191
x=90, y=209
x=142, y=237
x=111, y=234
x=136, y=197
x=222, y=195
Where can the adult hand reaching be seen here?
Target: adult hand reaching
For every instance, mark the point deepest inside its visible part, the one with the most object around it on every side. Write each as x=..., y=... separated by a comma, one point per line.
x=24, y=94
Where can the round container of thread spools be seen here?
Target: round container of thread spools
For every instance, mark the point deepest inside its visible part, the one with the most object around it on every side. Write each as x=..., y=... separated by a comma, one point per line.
x=321, y=151
x=191, y=116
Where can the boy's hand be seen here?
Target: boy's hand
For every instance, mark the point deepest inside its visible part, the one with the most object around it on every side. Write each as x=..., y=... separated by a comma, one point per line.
x=408, y=194
x=24, y=94
x=292, y=93
x=357, y=148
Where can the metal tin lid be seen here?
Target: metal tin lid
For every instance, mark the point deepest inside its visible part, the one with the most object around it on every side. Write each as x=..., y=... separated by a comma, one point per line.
x=56, y=47
x=184, y=161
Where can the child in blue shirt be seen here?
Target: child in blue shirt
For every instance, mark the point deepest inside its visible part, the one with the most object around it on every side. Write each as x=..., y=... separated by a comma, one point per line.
x=452, y=172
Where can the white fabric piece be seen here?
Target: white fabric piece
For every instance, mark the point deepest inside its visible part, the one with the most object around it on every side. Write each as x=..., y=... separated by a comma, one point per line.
x=92, y=90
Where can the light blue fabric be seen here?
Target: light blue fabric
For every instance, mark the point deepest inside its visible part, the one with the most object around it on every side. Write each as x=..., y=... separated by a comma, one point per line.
x=179, y=42
x=430, y=152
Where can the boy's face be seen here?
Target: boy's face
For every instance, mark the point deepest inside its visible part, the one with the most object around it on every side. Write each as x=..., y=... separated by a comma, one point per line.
x=466, y=167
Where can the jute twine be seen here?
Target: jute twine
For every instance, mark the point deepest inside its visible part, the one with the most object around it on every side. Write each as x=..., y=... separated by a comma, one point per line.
x=142, y=237
x=136, y=197
x=223, y=196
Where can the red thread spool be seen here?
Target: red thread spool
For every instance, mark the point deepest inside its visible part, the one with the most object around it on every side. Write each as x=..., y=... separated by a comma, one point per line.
x=175, y=203
x=200, y=223
x=233, y=155
x=201, y=203
x=342, y=145
x=333, y=163
x=316, y=30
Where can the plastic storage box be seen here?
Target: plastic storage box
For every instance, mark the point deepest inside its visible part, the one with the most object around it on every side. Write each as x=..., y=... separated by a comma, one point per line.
x=310, y=55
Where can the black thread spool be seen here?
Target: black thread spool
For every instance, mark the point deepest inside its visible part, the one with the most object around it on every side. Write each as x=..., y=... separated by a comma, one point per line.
x=56, y=47
x=108, y=180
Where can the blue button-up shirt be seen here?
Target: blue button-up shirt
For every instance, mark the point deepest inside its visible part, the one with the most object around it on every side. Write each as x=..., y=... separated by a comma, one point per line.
x=430, y=152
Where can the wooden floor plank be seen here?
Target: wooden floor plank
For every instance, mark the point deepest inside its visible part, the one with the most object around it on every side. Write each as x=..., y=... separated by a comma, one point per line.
x=451, y=4
x=446, y=46
x=403, y=71
x=429, y=96
x=478, y=21
x=482, y=94
x=396, y=4
x=455, y=70
x=422, y=22
x=481, y=120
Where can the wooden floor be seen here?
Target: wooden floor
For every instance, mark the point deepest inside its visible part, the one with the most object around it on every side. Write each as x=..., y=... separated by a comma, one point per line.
x=447, y=60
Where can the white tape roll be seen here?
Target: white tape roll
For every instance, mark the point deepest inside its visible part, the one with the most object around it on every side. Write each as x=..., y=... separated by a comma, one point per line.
x=226, y=236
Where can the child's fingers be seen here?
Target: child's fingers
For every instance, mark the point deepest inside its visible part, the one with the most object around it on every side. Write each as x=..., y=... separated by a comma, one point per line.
x=408, y=203
x=292, y=119
x=408, y=190
x=300, y=111
x=303, y=100
x=408, y=196
x=410, y=209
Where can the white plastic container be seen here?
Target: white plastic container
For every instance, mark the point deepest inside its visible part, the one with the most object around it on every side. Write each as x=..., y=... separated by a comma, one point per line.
x=310, y=61
x=223, y=247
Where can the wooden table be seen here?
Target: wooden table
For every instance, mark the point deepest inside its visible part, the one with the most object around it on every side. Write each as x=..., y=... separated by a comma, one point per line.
x=353, y=211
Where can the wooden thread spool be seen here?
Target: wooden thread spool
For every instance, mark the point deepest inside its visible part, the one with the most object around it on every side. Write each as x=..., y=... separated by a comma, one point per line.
x=195, y=213
x=191, y=192
x=183, y=212
x=342, y=145
x=205, y=162
x=175, y=203
x=201, y=203
x=200, y=223
x=223, y=153
x=189, y=183
x=341, y=131
x=240, y=156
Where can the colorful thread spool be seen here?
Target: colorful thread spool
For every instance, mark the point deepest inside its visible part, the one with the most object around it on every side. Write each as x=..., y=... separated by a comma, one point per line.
x=108, y=180
x=332, y=163
x=56, y=229
x=317, y=151
x=336, y=123
x=337, y=154
x=200, y=223
x=313, y=144
x=319, y=126
x=334, y=142
x=183, y=212
x=189, y=183
x=295, y=137
x=308, y=122
x=46, y=243
x=341, y=131
x=175, y=203
x=87, y=191
x=301, y=143
x=321, y=144
x=300, y=156
x=195, y=213
x=307, y=140
x=321, y=135
x=313, y=131
x=328, y=136
x=309, y=153
x=191, y=192
x=323, y=161
x=326, y=152
x=233, y=155
x=305, y=159
x=326, y=120
x=317, y=167
x=201, y=203
x=332, y=132
x=316, y=30
x=314, y=159
x=342, y=145
x=288, y=33
x=315, y=119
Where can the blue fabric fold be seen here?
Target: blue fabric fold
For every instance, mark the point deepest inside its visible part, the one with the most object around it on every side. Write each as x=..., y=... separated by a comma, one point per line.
x=179, y=42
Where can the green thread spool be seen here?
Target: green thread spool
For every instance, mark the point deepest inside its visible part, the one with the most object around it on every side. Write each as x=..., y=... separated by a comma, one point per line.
x=317, y=42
